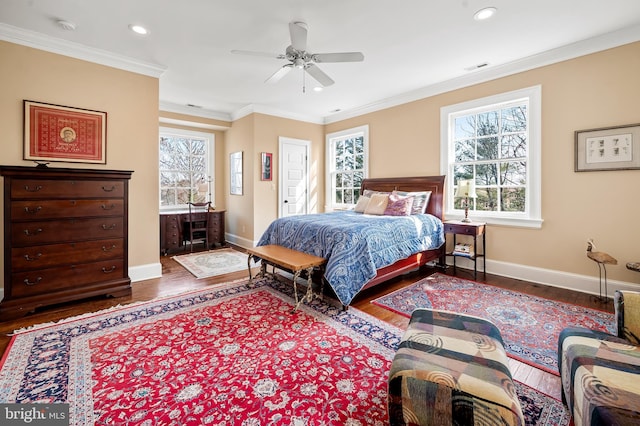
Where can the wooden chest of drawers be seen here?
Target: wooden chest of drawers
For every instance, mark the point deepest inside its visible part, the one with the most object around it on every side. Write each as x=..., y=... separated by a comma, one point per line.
x=65, y=236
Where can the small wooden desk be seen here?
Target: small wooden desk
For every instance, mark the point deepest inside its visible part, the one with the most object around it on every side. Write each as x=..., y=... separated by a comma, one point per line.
x=289, y=260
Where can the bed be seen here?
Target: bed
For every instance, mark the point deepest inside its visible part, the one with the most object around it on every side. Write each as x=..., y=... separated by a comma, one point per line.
x=365, y=250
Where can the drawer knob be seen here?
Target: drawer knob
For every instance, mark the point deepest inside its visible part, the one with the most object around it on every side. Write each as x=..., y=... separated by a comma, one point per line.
x=32, y=211
x=111, y=207
x=31, y=259
x=104, y=248
x=27, y=282
x=108, y=271
x=32, y=189
x=31, y=234
x=107, y=227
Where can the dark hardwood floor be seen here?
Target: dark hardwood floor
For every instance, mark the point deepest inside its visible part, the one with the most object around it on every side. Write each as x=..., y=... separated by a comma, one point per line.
x=175, y=279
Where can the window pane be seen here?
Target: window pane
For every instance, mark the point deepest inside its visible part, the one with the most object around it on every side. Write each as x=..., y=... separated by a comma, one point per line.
x=488, y=123
x=465, y=127
x=358, y=177
x=338, y=183
x=514, y=119
x=513, y=173
x=465, y=150
x=338, y=197
x=514, y=146
x=348, y=196
x=198, y=147
x=488, y=149
x=487, y=199
x=167, y=197
x=360, y=146
x=513, y=199
x=487, y=174
x=462, y=172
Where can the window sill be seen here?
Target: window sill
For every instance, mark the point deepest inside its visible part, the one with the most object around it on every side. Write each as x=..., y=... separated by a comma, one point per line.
x=502, y=221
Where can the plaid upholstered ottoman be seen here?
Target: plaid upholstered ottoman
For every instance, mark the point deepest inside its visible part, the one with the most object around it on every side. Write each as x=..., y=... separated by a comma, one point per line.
x=451, y=369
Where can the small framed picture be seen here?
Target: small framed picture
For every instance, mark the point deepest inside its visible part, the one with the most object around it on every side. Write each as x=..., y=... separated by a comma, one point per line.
x=62, y=133
x=265, y=173
x=608, y=148
x=235, y=167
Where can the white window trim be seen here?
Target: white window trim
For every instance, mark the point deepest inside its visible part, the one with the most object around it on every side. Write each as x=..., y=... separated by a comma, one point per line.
x=532, y=218
x=211, y=137
x=329, y=160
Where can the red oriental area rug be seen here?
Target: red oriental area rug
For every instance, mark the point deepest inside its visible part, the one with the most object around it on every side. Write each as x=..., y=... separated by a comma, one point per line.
x=529, y=325
x=230, y=355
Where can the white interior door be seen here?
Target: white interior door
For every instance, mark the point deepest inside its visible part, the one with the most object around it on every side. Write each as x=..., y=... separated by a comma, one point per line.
x=293, y=196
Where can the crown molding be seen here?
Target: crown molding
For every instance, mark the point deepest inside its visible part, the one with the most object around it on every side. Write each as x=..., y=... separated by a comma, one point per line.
x=563, y=53
x=79, y=51
x=262, y=109
x=194, y=111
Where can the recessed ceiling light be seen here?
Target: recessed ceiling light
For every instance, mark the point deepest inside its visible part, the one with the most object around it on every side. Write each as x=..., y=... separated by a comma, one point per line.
x=138, y=29
x=485, y=13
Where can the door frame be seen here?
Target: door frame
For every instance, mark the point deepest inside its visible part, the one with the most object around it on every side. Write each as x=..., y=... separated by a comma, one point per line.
x=281, y=190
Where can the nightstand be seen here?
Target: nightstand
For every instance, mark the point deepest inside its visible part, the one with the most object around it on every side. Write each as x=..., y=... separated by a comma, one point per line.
x=474, y=229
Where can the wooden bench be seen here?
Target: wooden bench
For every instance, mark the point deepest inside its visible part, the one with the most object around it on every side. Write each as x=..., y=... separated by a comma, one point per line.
x=290, y=260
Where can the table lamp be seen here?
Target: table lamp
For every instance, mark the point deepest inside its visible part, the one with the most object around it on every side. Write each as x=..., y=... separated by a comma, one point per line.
x=466, y=189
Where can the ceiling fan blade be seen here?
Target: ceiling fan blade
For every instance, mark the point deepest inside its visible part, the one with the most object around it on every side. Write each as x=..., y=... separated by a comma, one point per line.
x=319, y=75
x=279, y=74
x=265, y=54
x=298, y=33
x=338, y=57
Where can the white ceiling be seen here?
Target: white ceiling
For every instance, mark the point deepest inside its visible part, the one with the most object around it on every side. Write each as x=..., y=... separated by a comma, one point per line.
x=412, y=48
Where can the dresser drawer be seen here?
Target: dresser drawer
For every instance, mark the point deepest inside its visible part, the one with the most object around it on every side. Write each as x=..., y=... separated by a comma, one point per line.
x=54, y=209
x=55, y=231
x=46, y=188
x=47, y=256
x=60, y=278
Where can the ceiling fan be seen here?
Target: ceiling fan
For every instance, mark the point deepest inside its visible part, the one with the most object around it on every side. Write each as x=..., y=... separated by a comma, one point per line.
x=298, y=57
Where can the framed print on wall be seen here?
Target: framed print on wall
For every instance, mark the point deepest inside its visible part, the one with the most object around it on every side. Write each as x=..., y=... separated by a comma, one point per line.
x=61, y=133
x=266, y=161
x=235, y=166
x=608, y=148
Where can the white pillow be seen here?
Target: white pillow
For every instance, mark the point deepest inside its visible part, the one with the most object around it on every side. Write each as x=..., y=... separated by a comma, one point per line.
x=362, y=204
x=377, y=204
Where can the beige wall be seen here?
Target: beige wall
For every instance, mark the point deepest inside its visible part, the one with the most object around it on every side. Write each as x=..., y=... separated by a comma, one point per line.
x=597, y=90
x=131, y=103
x=258, y=206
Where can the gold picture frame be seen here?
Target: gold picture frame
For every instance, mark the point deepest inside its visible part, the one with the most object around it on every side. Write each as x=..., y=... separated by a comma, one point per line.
x=62, y=133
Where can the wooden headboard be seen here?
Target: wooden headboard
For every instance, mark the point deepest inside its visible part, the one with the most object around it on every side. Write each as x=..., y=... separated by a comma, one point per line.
x=435, y=184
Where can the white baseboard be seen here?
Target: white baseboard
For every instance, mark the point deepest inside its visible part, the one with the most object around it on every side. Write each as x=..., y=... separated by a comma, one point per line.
x=584, y=283
x=145, y=272
x=240, y=241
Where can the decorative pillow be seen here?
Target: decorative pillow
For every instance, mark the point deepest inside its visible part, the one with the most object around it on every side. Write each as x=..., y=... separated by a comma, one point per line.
x=399, y=206
x=362, y=204
x=370, y=192
x=377, y=204
x=420, y=202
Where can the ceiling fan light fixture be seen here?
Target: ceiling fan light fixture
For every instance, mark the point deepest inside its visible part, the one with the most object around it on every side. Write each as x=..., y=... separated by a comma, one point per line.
x=485, y=13
x=318, y=89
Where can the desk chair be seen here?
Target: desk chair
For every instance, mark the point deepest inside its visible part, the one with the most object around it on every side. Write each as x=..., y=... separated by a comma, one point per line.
x=198, y=224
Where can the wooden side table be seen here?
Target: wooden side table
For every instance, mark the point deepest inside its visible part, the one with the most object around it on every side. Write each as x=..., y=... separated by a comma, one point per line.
x=474, y=229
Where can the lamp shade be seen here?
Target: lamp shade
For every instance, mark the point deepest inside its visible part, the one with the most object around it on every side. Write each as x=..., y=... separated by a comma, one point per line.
x=466, y=189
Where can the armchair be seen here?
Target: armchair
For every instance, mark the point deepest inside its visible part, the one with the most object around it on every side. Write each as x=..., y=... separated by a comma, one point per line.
x=600, y=372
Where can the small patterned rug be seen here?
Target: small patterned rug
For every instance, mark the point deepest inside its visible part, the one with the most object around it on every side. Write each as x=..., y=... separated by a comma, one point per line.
x=214, y=262
x=234, y=355
x=530, y=325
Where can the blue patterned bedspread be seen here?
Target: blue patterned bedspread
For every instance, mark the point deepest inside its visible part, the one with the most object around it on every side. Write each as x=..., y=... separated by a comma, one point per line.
x=355, y=244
